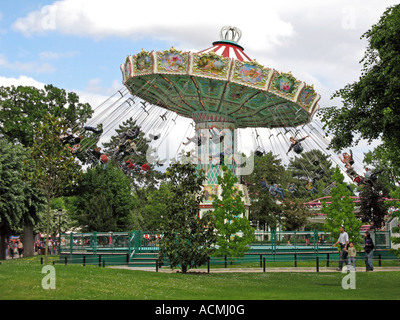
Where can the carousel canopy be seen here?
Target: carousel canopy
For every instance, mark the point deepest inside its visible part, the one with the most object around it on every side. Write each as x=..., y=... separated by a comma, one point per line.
x=220, y=82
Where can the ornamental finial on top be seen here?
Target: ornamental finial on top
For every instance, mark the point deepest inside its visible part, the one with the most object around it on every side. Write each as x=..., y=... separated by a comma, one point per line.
x=230, y=33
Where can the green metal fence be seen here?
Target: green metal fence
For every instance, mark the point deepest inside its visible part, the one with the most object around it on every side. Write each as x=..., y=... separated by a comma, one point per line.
x=124, y=246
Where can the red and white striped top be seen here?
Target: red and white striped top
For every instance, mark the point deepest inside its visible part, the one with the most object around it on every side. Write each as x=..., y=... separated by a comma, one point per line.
x=228, y=49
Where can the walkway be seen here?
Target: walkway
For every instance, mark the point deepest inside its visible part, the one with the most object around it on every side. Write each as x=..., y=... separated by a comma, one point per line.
x=252, y=270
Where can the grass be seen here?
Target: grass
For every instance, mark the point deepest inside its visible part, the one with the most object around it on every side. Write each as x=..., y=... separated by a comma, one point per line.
x=21, y=279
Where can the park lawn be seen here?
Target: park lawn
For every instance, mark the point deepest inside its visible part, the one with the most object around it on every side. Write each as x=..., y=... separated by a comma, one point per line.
x=21, y=279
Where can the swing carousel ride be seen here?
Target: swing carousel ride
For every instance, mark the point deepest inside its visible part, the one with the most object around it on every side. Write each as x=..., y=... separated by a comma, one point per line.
x=222, y=91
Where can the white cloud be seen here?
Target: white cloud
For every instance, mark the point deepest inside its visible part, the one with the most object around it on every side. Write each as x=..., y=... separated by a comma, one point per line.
x=21, y=81
x=320, y=39
x=177, y=22
x=26, y=66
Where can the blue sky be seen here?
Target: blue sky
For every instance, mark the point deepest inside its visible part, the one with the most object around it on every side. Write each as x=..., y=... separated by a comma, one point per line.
x=79, y=45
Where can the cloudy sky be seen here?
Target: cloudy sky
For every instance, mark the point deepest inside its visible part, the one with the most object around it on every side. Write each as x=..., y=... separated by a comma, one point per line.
x=79, y=45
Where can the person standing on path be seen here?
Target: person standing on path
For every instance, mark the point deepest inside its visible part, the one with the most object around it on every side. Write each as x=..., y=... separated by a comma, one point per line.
x=343, y=241
x=352, y=256
x=20, y=248
x=369, y=251
x=11, y=249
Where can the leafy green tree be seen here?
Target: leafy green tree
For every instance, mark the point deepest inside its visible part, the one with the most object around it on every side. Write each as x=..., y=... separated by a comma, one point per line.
x=340, y=212
x=22, y=110
x=294, y=214
x=20, y=201
x=379, y=159
x=104, y=200
x=54, y=168
x=34, y=204
x=263, y=207
x=150, y=211
x=188, y=239
x=373, y=208
x=395, y=213
x=12, y=196
x=234, y=231
x=371, y=105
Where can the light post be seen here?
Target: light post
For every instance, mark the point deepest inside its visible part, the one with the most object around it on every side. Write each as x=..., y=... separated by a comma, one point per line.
x=59, y=229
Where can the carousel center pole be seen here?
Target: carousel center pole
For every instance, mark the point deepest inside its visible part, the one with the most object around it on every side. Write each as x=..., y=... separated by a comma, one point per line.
x=217, y=145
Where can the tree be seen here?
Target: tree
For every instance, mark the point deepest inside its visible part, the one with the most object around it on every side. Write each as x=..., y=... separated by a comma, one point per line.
x=312, y=165
x=54, y=168
x=188, y=239
x=140, y=183
x=12, y=204
x=151, y=210
x=394, y=212
x=371, y=106
x=104, y=201
x=294, y=214
x=379, y=159
x=373, y=208
x=341, y=211
x=263, y=207
x=24, y=108
x=234, y=231
x=20, y=201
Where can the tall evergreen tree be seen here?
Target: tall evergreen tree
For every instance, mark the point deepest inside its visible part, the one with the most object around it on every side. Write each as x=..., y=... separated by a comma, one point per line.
x=311, y=166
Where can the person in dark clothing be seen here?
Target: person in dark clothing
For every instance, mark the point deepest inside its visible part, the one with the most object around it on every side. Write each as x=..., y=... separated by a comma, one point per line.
x=96, y=130
x=369, y=251
x=295, y=145
x=264, y=184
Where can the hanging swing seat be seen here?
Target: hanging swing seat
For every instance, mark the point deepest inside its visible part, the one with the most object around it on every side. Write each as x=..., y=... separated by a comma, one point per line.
x=259, y=152
x=298, y=148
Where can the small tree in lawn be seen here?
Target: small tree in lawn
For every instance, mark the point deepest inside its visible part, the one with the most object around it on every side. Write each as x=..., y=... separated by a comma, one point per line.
x=341, y=212
x=234, y=231
x=188, y=240
x=55, y=168
x=394, y=212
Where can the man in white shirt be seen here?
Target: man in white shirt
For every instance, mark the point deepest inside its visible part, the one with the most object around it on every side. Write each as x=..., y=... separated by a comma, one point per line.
x=343, y=241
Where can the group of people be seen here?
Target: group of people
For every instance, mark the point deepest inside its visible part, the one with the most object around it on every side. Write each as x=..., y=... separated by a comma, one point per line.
x=127, y=147
x=369, y=177
x=14, y=247
x=274, y=189
x=129, y=167
x=216, y=136
x=72, y=140
x=348, y=252
x=40, y=247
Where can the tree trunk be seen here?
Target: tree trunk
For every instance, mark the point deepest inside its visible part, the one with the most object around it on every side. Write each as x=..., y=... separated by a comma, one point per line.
x=29, y=241
x=46, y=259
x=3, y=237
x=184, y=268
